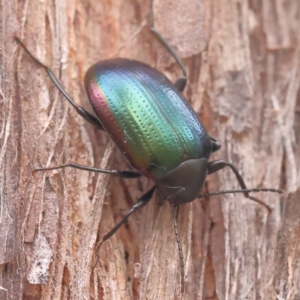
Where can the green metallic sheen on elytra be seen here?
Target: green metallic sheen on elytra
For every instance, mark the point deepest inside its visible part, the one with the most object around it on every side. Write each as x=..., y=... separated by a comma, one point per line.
x=149, y=121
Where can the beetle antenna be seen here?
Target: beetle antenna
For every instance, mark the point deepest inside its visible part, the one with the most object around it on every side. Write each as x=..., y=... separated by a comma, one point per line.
x=175, y=210
x=255, y=190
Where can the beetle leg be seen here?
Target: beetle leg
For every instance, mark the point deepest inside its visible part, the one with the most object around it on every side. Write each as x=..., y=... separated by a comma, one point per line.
x=215, y=144
x=138, y=205
x=217, y=165
x=123, y=174
x=80, y=110
x=181, y=82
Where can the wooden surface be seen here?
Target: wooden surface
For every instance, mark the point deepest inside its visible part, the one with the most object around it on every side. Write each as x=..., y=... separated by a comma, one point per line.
x=243, y=63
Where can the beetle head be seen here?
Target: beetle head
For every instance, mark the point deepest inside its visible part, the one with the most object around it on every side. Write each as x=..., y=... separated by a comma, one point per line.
x=183, y=184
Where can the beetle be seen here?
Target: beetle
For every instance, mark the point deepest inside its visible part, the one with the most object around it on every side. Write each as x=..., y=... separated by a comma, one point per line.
x=154, y=127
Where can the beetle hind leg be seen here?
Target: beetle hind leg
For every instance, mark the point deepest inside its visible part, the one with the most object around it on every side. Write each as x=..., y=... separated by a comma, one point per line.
x=80, y=110
x=181, y=82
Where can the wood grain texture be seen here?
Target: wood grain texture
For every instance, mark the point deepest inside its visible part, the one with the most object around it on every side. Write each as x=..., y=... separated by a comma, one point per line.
x=243, y=63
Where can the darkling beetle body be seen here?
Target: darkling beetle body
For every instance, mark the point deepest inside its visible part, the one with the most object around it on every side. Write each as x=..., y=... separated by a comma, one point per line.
x=155, y=128
x=152, y=124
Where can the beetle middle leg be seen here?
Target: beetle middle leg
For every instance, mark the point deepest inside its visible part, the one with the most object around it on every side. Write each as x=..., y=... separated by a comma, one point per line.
x=217, y=165
x=180, y=82
x=80, y=110
x=137, y=206
x=123, y=174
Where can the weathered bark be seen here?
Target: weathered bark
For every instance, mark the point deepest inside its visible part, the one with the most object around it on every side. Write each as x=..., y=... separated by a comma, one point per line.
x=244, y=73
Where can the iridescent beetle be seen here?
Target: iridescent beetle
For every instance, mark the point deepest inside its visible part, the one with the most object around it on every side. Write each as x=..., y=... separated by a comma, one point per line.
x=155, y=128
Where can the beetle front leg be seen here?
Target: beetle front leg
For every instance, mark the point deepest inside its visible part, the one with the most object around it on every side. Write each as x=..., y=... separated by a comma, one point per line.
x=123, y=174
x=137, y=206
x=217, y=165
x=80, y=110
